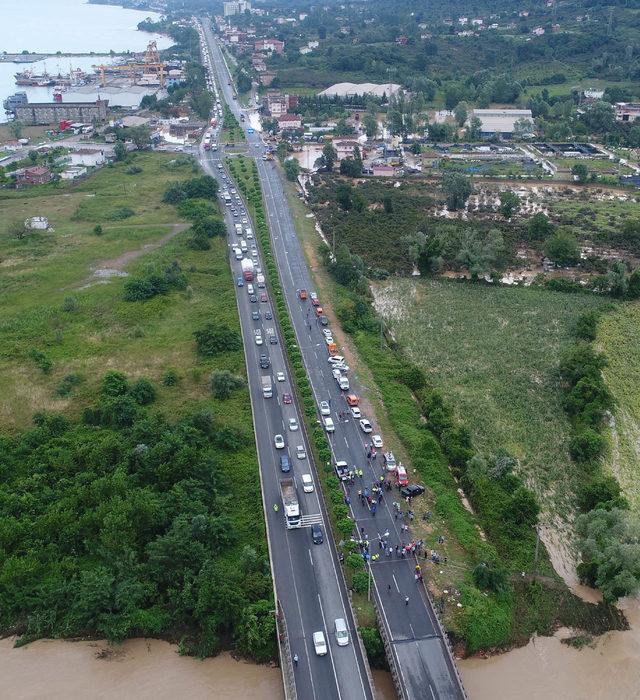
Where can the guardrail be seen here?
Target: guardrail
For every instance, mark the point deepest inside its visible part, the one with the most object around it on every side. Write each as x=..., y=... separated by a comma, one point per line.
x=388, y=647
x=286, y=662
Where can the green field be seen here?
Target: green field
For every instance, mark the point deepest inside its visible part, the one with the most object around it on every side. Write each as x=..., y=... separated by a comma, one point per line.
x=46, y=272
x=619, y=338
x=494, y=351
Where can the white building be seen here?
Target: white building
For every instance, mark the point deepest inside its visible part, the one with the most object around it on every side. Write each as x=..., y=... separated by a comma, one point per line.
x=351, y=89
x=40, y=223
x=90, y=157
x=73, y=172
x=501, y=122
x=237, y=7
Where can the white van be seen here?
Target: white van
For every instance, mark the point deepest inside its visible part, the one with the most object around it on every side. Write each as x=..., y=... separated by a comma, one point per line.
x=307, y=483
x=341, y=632
x=328, y=424
x=238, y=254
x=243, y=246
x=250, y=289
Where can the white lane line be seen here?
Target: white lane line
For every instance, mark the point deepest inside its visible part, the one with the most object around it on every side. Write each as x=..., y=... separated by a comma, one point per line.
x=346, y=442
x=395, y=582
x=432, y=693
x=311, y=560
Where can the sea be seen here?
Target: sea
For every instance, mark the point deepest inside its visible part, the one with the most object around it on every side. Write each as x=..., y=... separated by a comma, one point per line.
x=68, y=26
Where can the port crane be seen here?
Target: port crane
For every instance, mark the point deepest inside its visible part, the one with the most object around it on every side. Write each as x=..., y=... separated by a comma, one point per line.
x=151, y=61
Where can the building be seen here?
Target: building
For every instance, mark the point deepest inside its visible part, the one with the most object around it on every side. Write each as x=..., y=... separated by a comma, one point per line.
x=269, y=46
x=237, y=7
x=73, y=172
x=381, y=170
x=55, y=112
x=353, y=89
x=402, y=40
x=267, y=78
x=290, y=121
x=90, y=157
x=277, y=104
x=38, y=175
x=627, y=111
x=344, y=149
x=593, y=94
x=500, y=122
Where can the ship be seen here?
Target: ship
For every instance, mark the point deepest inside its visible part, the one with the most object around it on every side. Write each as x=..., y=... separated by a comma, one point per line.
x=13, y=101
x=28, y=78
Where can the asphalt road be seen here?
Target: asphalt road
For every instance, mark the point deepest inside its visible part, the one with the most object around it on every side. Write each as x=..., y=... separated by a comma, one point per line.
x=308, y=583
x=424, y=663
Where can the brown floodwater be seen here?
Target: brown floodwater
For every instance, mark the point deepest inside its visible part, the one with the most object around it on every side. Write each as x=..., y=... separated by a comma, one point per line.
x=609, y=669
x=138, y=668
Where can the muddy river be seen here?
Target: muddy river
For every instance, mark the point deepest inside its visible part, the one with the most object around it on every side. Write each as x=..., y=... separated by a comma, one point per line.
x=148, y=668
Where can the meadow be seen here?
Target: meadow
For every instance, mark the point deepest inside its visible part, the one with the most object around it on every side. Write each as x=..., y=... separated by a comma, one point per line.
x=494, y=352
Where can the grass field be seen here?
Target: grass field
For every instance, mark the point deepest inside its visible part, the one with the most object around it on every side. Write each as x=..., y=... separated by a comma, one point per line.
x=48, y=272
x=494, y=351
x=619, y=338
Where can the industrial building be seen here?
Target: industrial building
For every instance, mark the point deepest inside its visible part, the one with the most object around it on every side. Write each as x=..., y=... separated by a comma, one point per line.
x=627, y=111
x=501, y=122
x=55, y=112
x=235, y=8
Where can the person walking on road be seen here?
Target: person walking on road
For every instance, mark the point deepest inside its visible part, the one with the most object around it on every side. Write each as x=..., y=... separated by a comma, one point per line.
x=295, y=659
x=406, y=600
x=276, y=507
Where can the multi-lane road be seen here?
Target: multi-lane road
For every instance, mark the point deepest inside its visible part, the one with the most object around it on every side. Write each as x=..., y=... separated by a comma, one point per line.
x=308, y=584
x=420, y=655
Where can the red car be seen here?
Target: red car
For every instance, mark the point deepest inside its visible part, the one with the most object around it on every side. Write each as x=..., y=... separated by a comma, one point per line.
x=314, y=300
x=302, y=294
x=286, y=398
x=263, y=297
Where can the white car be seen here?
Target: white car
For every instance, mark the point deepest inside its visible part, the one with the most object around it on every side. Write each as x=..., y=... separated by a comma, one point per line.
x=376, y=440
x=336, y=373
x=280, y=376
x=293, y=424
x=365, y=426
x=258, y=337
x=325, y=409
x=279, y=442
x=356, y=412
x=307, y=483
x=244, y=220
x=335, y=360
x=301, y=453
x=319, y=643
x=341, y=366
x=327, y=331
x=328, y=339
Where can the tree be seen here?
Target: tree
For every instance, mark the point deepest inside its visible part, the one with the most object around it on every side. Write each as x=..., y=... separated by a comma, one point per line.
x=587, y=445
x=562, y=248
x=33, y=156
x=387, y=203
x=243, y=81
x=488, y=576
x=370, y=124
x=599, y=117
x=522, y=128
x=291, y=169
x=481, y=254
x=452, y=94
x=416, y=148
x=330, y=155
x=461, y=113
x=15, y=129
x=509, y=203
x=474, y=130
x=214, y=339
x=143, y=391
x=222, y=383
x=120, y=151
x=343, y=197
x=604, y=493
x=580, y=172
x=350, y=167
x=458, y=188
x=539, y=227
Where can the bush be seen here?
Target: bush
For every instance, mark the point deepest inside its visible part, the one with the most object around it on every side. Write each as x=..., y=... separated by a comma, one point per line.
x=69, y=304
x=354, y=562
x=490, y=577
x=374, y=647
x=67, y=385
x=41, y=360
x=198, y=241
x=143, y=392
x=170, y=377
x=603, y=493
x=214, y=339
x=222, y=383
x=587, y=445
x=97, y=229
x=114, y=384
x=360, y=581
x=120, y=213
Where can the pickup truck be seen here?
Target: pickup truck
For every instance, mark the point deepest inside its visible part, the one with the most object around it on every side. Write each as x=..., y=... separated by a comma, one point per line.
x=342, y=470
x=267, y=388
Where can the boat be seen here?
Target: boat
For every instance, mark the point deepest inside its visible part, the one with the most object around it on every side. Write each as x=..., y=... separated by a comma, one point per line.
x=13, y=101
x=30, y=79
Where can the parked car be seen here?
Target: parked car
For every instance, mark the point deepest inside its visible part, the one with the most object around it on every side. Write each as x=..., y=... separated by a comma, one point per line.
x=278, y=441
x=365, y=426
x=376, y=440
x=411, y=490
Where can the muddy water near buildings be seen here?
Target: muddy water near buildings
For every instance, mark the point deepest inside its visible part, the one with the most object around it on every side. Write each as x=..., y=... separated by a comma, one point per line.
x=609, y=669
x=139, y=668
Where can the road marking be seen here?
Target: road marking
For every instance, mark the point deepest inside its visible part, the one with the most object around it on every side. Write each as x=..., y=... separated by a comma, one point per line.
x=346, y=442
x=432, y=693
x=393, y=576
x=311, y=560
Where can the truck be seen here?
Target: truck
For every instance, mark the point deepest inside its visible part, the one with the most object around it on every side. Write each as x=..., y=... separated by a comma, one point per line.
x=267, y=387
x=247, y=269
x=290, y=503
x=342, y=470
x=238, y=228
x=207, y=143
x=260, y=281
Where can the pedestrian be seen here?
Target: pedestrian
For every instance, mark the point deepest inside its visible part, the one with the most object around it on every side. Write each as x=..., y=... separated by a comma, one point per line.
x=389, y=588
x=295, y=659
x=380, y=544
x=362, y=531
x=395, y=515
x=389, y=551
x=380, y=497
x=397, y=548
x=406, y=600
x=347, y=500
x=381, y=478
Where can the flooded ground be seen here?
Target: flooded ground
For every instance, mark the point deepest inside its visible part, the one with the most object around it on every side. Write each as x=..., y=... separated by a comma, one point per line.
x=608, y=669
x=138, y=668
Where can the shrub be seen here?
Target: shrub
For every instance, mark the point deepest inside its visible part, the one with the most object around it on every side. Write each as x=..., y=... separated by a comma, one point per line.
x=67, y=384
x=170, y=377
x=114, y=384
x=214, y=339
x=41, y=360
x=489, y=577
x=374, y=646
x=97, y=229
x=120, y=213
x=143, y=392
x=603, y=492
x=198, y=241
x=222, y=383
x=587, y=445
x=69, y=304
x=360, y=581
x=354, y=561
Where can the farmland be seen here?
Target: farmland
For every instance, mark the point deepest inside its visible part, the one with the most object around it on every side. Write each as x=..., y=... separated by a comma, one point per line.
x=619, y=338
x=494, y=351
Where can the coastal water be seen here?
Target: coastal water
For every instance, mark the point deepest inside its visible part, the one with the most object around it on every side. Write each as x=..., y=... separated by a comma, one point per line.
x=68, y=26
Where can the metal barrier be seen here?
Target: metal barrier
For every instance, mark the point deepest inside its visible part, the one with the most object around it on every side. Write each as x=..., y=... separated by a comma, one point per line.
x=388, y=647
x=284, y=650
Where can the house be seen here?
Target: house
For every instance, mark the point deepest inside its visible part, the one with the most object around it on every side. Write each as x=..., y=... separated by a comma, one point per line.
x=40, y=223
x=463, y=20
x=290, y=121
x=537, y=31
x=477, y=22
x=381, y=170
x=500, y=122
x=304, y=50
x=593, y=94
x=313, y=44
x=267, y=78
x=37, y=175
x=90, y=157
x=277, y=104
x=627, y=111
x=269, y=46
x=344, y=149
x=73, y=172
x=258, y=64
x=402, y=40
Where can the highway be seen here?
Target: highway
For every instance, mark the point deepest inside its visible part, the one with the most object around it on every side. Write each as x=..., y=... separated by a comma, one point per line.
x=421, y=658
x=308, y=583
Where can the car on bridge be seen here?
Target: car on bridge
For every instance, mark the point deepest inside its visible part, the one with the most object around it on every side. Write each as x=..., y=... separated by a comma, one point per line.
x=278, y=441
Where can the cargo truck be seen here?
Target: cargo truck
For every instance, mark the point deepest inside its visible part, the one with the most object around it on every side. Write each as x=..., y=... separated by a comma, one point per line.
x=267, y=388
x=238, y=228
x=260, y=281
x=290, y=503
x=247, y=269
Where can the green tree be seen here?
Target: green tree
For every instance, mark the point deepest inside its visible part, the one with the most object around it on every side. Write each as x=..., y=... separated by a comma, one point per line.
x=562, y=248
x=15, y=129
x=33, y=156
x=291, y=169
x=120, y=151
x=474, y=130
x=16, y=229
x=580, y=172
x=457, y=188
x=243, y=81
x=343, y=197
x=370, y=124
x=539, y=227
x=214, y=339
x=488, y=576
x=509, y=203
x=461, y=113
x=114, y=384
x=329, y=155
x=587, y=445
x=143, y=391
x=222, y=383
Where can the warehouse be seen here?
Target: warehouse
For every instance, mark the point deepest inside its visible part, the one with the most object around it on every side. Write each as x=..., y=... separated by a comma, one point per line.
x=502, y=122
x=55, y=112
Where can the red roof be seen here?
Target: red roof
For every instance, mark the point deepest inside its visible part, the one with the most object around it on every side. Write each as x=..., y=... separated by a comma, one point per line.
x=289, y=118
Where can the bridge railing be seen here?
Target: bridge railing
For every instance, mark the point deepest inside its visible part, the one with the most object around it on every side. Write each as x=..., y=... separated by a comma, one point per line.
x=284, y=651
